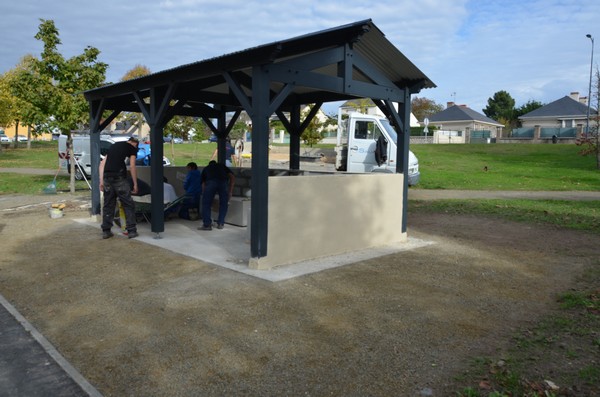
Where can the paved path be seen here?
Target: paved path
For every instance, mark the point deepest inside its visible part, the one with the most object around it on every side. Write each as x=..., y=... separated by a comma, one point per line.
x=30, y=366
x=428, y=194
x=29, y=171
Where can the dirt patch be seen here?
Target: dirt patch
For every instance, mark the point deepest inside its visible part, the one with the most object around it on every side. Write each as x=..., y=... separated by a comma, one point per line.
x=138, y=320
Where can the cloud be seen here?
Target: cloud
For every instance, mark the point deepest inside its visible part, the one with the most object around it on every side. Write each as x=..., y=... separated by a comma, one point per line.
x=534, y=49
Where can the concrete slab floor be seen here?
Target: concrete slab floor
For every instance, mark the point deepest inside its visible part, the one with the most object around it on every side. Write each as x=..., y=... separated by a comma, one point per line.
x=230, y=248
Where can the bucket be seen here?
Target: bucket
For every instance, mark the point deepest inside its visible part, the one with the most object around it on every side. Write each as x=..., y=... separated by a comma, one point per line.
x=55, y=213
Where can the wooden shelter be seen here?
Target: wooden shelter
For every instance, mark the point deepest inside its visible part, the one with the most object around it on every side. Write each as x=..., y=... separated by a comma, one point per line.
x=345, y=62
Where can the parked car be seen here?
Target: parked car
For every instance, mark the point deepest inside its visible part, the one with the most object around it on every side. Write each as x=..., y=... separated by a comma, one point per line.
x=213, y=138
x=4, y=138
x=177, y=140
x=21, y=138
x=166, y=139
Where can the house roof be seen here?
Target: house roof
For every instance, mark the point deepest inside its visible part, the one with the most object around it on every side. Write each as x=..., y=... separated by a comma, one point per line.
x=461, y=113
x=563, y=107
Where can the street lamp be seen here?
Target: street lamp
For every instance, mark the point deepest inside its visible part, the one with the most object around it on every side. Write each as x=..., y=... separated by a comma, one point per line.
x=587, y=125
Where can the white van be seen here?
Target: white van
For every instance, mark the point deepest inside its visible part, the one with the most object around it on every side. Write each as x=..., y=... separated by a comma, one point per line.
x=82, y=152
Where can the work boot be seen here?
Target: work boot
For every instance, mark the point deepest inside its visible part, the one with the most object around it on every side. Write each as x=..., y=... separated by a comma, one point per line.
x=107, y=234
x=205, y=227
x=132, y=234
x=220, y=226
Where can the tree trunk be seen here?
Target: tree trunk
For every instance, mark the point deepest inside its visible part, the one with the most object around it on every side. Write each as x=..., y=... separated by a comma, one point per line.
x=16, y=134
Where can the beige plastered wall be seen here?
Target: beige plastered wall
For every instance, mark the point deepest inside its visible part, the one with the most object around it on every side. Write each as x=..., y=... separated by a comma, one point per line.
x=315, y=216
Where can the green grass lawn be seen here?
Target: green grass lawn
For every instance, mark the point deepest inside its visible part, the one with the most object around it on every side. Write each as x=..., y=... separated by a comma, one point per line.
x=472, y=167
x=506, y=167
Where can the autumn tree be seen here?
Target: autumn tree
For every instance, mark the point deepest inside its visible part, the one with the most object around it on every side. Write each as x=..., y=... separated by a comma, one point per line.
x=135, y=118
x=15, y=110
x=7, y=104
x=424, y=107
x=53, y=85
x=313, y=133
x=360, y=105
x=136, y=72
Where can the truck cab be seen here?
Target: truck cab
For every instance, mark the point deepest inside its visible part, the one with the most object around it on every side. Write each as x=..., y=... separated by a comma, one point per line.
x=358, y=138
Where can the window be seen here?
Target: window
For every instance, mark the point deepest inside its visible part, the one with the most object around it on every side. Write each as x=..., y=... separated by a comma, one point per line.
x=366, y=130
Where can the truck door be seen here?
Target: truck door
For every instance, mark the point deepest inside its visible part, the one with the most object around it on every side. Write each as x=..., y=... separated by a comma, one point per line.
x=361, y=146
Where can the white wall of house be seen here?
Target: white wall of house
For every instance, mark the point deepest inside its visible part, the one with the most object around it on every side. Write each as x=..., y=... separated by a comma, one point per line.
x=468, y=125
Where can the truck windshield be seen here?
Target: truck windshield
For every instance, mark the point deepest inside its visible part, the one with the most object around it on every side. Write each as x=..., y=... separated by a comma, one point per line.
x=390, y=130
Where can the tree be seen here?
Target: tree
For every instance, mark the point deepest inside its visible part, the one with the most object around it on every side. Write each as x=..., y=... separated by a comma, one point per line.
x=530, y=106
x=53, y=85
x=501, y=108
x=238, y=130
x=14, y=109
x=313, y=132
x=424, y=107
x=135, y=118
x=135, y=72
x=7, y=104
x=361, y=105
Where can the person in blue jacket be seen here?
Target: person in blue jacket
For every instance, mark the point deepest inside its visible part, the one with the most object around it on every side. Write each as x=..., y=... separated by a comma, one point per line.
x=193, y=190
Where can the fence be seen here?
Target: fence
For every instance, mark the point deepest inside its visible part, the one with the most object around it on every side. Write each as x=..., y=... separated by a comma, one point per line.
x=545, y=132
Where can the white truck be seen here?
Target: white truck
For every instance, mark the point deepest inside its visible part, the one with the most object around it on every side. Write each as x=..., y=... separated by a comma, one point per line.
x=356, y=149
x=83, y=154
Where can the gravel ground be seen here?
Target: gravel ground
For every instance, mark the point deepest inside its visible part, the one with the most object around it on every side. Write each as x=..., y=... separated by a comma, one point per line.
x=137, y=320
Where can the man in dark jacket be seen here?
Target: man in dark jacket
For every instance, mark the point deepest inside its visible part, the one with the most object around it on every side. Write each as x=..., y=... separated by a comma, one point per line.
x=214, y=181
x=114, y=184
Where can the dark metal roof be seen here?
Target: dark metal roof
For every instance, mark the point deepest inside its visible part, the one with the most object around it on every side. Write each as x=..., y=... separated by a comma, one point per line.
x=563, y=107
x=203, y=81
x=461, y=113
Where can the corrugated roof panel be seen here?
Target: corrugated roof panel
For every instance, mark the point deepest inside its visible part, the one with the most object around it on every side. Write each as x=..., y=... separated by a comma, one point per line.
x=366, y=38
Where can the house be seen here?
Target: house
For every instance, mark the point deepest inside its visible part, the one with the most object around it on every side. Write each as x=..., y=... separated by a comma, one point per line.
x=22, y=130
x=464, y=123
x=565, y=116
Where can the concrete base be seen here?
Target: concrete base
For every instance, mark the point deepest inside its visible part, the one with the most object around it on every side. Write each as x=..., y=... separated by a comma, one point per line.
x=237, y=214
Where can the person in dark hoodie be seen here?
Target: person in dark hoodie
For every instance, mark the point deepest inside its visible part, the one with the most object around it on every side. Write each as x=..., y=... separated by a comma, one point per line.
x=114, y=184
x=218, y=179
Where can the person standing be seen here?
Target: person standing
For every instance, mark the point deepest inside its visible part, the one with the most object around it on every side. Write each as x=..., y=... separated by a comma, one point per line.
x=218, y=179
x=114, y=184
x=229, y=154
x=193, y=189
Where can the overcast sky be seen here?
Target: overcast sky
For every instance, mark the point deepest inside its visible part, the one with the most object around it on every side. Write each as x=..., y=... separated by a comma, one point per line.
x=534, y=49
